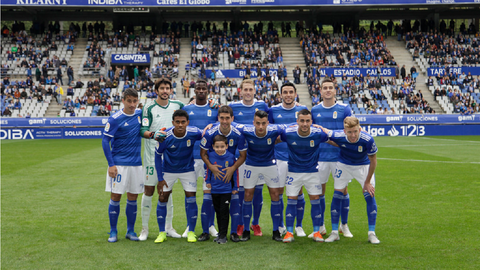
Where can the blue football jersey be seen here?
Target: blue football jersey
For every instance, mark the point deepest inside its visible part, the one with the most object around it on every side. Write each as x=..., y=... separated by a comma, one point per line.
x=243, y=114
x=178, y=152
x=126, y=143
x=225, y=161
x=236, y=140
x=281, y=115
x=331, y=118
x=354, y=153
x=261, y=151
x=200, y=116
x=303, y=151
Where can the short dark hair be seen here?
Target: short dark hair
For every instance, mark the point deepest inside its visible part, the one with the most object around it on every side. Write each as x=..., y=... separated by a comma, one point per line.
x=162, y=81
x=304, y=112
x=201, y=81
x=180, y=113
x=326, y=80
x=261, y=114
x=130, y=92
x=220, y=138
x=225, y=109
x=288, y=84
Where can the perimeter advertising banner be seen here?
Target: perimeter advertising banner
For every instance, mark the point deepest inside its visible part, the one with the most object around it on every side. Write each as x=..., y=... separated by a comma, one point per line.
x=216, y=3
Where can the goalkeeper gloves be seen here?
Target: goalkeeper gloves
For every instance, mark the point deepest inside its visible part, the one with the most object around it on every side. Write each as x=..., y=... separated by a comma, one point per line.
x=160, y=135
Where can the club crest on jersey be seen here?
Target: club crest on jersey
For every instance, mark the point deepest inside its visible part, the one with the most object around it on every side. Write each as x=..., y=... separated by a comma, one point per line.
x=230, y=143
x=360, y=148
x=296, y=115
x=269, y=141
x=107, y=127
x=256, y=109
x=334, y=115
x=226, y=164
x=204, y=141
x=139, y=120
x=209, y=113
x=312, y=143
x=145, y=122
x=189, y=143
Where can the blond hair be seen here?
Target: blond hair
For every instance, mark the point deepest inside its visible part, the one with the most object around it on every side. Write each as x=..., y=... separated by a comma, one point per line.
x=350, y=122
x=250, y=81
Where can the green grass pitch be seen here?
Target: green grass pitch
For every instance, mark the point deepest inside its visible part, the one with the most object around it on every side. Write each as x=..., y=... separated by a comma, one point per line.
x=54, y=214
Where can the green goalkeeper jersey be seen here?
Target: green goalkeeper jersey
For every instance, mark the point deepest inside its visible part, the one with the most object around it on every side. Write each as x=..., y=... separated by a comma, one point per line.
x=155, y=117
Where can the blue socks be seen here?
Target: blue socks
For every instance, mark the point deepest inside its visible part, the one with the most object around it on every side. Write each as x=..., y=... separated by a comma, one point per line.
x=113, y=212
x=161, y=215
x=192, y=212
x=282, y=208
x=247, y=214
x=300, y=209
x=336, y=207
x=275, y=212
x=257, y=204
x=235, y=212
x=322, y=209
x=316, y=214
x=241, y=196
x=131, y=212
x=206, y=213
x=371, y=211
x=345, y=208
x=290, y=214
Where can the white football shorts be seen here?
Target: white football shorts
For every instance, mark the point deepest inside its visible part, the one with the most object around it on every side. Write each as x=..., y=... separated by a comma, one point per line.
x=129, y=179
x=295, y=181
x=150, y=176
x=345, y=173
x=269, y=174
x=199, y=168
x=188, y=180
x=324, y=170
x=282, y=166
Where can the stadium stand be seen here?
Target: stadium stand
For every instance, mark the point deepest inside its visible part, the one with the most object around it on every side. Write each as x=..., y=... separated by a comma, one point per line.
x=455, y=91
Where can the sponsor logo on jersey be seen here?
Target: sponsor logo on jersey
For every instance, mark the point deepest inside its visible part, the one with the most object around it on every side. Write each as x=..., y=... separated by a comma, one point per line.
x=312, y=143
x=334, y=115
x=360, y=148
x=126, y=124
x=269, y=141
x=191, y=113
x=343, y=145
x=145, y=122
x=209, y=113
x=279, y=116
x=189, y=143
x=173, y=146
x=204, y=141
x=251, y=142
x=319, y=115
x=294, y=143
x=107, y=127
x=230, y=143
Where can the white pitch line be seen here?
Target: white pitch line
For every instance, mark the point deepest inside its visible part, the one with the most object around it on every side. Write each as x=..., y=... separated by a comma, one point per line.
x=450, y=140
x=430, y=161
x=420, y=145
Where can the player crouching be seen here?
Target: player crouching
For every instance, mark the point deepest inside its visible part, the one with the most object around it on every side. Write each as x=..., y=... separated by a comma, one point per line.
x=357, y=159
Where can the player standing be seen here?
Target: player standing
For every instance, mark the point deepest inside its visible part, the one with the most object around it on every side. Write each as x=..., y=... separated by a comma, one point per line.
x=236, y=141
x=200, y=115
x=303, y=143
x=122, y=148
x=177, y=148
x=261, y=165
x=154, y=117
x=243, y=112
x=286, y=113
x=357, y=159
x=330, y=114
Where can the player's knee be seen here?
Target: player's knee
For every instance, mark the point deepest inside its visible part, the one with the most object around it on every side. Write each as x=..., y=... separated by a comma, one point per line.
x=132, y=197
x=164, y=197
x=249, y=194
x=207, y=191
x=189, y=194
x=149, y=190
x=115, y=197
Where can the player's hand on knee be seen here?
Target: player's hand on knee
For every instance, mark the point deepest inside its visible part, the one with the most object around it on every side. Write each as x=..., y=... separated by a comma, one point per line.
x=161, y=185
x=369, y=188
x=112, y=171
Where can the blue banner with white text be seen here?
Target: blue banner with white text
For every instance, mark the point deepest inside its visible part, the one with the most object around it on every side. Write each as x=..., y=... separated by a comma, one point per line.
x=141, y=58
x=54, y=122
x=238, y=73
x=50, y=133
x=225, y=3
x=352, y=72
x=441, y=71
